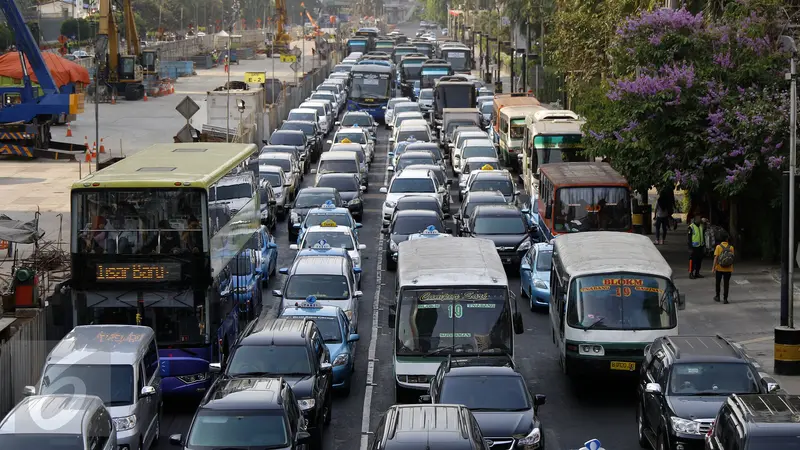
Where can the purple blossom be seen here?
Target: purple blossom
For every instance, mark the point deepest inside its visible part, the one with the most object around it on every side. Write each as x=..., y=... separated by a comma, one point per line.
x=724, y=60
x=661, y=20
x=716, y=118
x=775, y=162
x=730, y=179
x=758, y=119
x=779, y=145
x=619, y=137
x=656, y=39
x=741, y=117
x=739, y=151
x=631, y=125
x=597, y=136
x=668, y=78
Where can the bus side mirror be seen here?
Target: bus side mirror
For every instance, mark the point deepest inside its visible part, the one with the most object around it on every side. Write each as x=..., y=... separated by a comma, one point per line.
x=681, y=302
x=548, y=212
x=518, y=328
x=392, y=315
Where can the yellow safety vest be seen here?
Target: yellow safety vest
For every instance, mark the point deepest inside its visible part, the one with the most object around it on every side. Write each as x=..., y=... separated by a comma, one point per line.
x=697, y=235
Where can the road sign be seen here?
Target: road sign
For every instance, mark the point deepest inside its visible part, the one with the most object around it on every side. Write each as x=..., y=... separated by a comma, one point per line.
x=288, y=58
x=187, y=107
x=255, y=77
x=295, y=66
x=297, y=52
x=186, y=135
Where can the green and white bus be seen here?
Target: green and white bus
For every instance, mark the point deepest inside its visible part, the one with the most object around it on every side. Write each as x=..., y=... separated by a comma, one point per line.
x=152, y=243
x=611, y=295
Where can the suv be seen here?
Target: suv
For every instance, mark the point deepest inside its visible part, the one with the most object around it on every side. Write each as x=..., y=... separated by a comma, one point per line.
x=496, y=393
x=754, y=422
x=246, y=412
x=684, y=381
x=294, y=350
x=432, y=427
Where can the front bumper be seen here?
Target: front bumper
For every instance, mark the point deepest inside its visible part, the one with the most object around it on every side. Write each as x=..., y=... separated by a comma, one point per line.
x=129, y=439
x=510, y=257
x=680, y=441
x=356, y=209
x=342, y=375
x=615, y=361
x=539, y=296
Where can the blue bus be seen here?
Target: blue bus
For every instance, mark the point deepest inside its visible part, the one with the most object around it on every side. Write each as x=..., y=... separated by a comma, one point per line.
x=157, y=239
x=371, y=88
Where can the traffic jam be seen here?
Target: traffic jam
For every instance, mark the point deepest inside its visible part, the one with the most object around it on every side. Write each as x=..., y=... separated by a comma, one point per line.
x=481, y=190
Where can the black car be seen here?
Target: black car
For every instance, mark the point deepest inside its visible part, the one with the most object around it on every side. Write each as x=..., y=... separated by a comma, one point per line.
x=756, y=422
x=429, y=427
x=492, y=180
x=472, y=201
x=304, y=162
x=429, y=146
x=405, y=223
x=359, y=119
x=684, y=381
x=306, y=200
x=417, y=202
x=245, y=412
x=350, y=189
x=311, y=130
x=294, y=138
x=269, y=205
x=506, y=226
x=294, y=350
x=496, y=393
x=413, y=159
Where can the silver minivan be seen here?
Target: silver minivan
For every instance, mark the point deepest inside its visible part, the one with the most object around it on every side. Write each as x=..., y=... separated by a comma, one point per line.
x=119, y=364
x=59, y=422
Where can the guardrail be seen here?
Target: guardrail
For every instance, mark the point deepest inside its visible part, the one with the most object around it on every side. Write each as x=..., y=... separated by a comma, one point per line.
x=23, y=349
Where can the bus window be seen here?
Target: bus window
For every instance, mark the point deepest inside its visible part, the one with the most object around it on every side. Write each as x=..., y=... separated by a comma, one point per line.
x=592, y=208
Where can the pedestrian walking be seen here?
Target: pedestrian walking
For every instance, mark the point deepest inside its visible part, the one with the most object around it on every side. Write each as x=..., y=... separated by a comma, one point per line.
x=696, y=246
x=723, y=266
x=664, y=211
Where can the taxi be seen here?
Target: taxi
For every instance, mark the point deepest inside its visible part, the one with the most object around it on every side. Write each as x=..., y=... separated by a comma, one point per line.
x=355, y=135
x=429, y=233
x=337, y=333
x=327, y=211
x=475, y=164
x=326, y=273
x=333, y=235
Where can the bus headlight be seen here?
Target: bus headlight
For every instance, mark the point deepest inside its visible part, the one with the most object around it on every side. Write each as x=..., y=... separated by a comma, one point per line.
x=125, y=423
x=194, y=378
x=591, y=350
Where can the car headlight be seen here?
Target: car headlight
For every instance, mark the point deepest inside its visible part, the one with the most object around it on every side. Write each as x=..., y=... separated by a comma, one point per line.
x=341, y=359
x=393, y=246
x=242, y=290
x=390, y=204
x=306, y=403
x=354, y=201
x=295, y=217
x=684, y=426
x=591, y=350
x=278, y=194
x=532, y=438
x=194, y=378
x=125, y=423
x=539, y=284
x=526, y=244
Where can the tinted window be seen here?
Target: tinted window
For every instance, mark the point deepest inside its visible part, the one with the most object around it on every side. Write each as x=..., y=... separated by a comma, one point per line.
x=324, y=287
x=286, y=139
x=487, y=108
x=232, y=429
x=429, y=204
x=305, y=116
x=425, y=94
x=43, y=441
x=335, y=240
x=409, y=185
x=112, y=383
x=499, y=224
x=356, y=137
x=328, y=326
x=712, y=379
x=351, y=120
x=415, y=224
x=274, y=178
x=271, y=359
x=406, y=108
x=230, y=192
x=485, y=393
x=405, y=162
x=316, y=219
x=306, y=128
x=339, y=166
x=477, y=152
x=312, y=199
x=419, y=135
x=285, y=164
x=342, y=184
x=470, y=207
x=491, y=185
x=544, y=261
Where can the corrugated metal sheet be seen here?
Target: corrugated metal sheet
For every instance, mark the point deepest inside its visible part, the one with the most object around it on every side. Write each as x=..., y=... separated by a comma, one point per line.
x=21, y=359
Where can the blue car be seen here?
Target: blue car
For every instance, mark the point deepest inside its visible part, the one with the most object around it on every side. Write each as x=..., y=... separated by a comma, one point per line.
x=244, y=285
x=328, y=211
x=268, y=256
x=338, y=335
x=534, y=272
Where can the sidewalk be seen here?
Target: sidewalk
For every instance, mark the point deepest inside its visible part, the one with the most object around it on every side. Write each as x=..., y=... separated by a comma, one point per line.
x=751, y=316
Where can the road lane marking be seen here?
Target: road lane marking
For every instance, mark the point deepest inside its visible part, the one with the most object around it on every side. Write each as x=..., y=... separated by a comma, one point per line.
x=373, y=342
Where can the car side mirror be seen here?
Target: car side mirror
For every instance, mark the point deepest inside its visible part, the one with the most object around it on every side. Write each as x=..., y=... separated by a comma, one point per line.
x=357, y=270
x=652, y=388
x=770, y=384
x=391, y=139
x=353, y=337
x=147, y=391
x=516, y=193
x=681, y=302
x=272, y=202
x=277, y=293
x=358, y=225
x=284, y=270
x=313, y=170
x=294, y=247
x=392, y=316
x=215, y=367
x=272, y=245
x=383, y=108
x=288, y=183
x=518, y=328
x=525, y=211
x=383, y=190
x=539, y=399
x=448, y=230
x=447, y=216
x=362, y=246
x=27, y=391
x=337, y=123
x=425, y=398
x=358, y=294
x=326, y=367
x=177, y=440
x=385, y=230
x=329, y=141
x=548, y=212
x=448, y=183
x=525, y=267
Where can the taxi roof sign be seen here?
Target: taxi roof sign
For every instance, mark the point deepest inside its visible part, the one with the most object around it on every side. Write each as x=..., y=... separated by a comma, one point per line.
x=431, y=230
x=328, y=205
x=310, y=302
x=328, y=223
x=487, y=167
x=323, y=244
x=346, y=141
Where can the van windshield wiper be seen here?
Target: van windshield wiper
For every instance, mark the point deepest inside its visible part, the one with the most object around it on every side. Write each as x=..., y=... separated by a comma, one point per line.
x=594, y=324
x=439, y=350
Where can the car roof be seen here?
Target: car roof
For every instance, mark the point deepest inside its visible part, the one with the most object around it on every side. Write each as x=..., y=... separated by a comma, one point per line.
x=543, y=247
x=356, y=113
x=478, y=142
x=493, y=174
x=703, y=349
x=431, y=167
x=318, y=310
x=274, y=331
x=408, y=126
x=337, y=175
x=276, y=155
x=303, y=110
x=418, y=199
x=30, y=415
x=102, y=345
x=480, y=195
x=316, y=190
x=482, y=370
x=408, y=103
x=279, y=146
x=319, y=263
x=244, y=394
x=416, y=213
x=337, y=229
x=351, y=130
x=410, y=114
x=269, y=168
x=345, y=147
x=415, y=154
x=302, y=122
x=339, y=153
x=497, y=210
x=413, y=173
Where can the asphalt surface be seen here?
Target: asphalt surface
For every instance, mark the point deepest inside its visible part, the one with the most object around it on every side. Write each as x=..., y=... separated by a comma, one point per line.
x=602, y=409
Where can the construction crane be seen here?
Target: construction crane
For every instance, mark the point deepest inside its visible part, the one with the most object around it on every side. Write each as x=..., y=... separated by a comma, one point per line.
x=315, y=28
x=281, y=39
x=26, y=116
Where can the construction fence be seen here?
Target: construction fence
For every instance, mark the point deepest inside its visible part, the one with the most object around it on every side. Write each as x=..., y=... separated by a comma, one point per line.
x=21, y=355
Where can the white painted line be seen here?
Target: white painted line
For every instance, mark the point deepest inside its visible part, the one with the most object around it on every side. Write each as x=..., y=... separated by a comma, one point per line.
x=373, y=342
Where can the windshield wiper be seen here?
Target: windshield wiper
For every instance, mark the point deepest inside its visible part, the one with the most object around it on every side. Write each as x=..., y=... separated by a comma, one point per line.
x=594, y=324
x=439, y=350
x=295, y=374
x=252, y=374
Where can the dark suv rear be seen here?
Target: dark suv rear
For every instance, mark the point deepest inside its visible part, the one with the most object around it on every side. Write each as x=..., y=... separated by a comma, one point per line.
x=757, y=422
x=430, y=427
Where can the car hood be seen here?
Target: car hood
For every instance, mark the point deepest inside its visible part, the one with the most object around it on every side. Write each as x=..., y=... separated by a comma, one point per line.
x=278, y=191
x=504, y=240
x=395, y=197
x=336, y=348
x=121, y=411
x=301, y=385
x=696, y=407
x=398, y=238
x=347, y=196
x=303, y=211
x=504, y=424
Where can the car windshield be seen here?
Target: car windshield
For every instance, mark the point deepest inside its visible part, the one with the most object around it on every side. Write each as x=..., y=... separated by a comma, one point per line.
x=416, y=224
x=485, y=393
x=352, y=120
x=269, y=359
x=328, y=326
x=453, y=124
x=306, y=128
x=482, y=185
x=304, y=116
x=352, y=136
x=426, y=94
x=397, y=101
x=319, y=108
x=283, y=163
x=335, y=240
x=712, y=379
x=342, y=184
x=316, y=219
x=328, y=88
x=262, y=429
x=413, y=107
x=274, y=178
x=621, y=302
x=399, y=120
x=405, y=135
x=479, y=166
x=324, y=287
x=339, y=166
x=409, y=185
x=313, y=199
x=488, y=224
x=487, y=108
x=113, y=383
x=478, y=151
x=230, y=192
x=517, y=129
x=327, y=96
x=405, y=162
x=544, y=262
x=47, y=441
x=592, y=209
x=342, y=68
x=279, y=138
x=471, y=205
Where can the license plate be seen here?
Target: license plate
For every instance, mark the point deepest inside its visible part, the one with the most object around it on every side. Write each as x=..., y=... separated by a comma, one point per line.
x=620, y=365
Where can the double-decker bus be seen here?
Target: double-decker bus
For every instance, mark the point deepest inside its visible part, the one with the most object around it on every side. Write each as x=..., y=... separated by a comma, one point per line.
x=371, y=88
x=582, y=196
x=153, y=240
x=452, y=297
x=551, y=136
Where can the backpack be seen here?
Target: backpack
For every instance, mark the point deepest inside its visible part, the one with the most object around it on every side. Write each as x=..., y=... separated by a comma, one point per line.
x=725, y=258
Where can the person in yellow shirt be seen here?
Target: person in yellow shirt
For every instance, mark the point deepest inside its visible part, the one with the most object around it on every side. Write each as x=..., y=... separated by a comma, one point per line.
x=723, y=266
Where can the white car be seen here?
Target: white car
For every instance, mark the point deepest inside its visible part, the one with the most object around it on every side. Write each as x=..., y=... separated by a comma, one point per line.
x=399, y=118
x=455, y=151
x=355, y=135
x=410, y=182
x=474, y=148
x=337, y=236
x=475, y=164
x=425, y=100
x=389, y=114
x=407, y=106
x=323, y=119
x=419, y=130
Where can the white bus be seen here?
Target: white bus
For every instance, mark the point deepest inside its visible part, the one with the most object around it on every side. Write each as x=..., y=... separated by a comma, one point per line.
x=452, y=298
x=611, y=295
x=551, y=136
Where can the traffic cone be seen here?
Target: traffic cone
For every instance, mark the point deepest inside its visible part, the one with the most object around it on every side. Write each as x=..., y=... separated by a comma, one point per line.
x=86, y=142
x=69, y=130
x=94, y=149
x=113, y=99
x=88, y=155
x=145, y=95
x=102, y=147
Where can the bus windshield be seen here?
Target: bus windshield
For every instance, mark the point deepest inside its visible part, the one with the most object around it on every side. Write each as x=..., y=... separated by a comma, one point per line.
x=454, y=320
x=173, y=325
x=517, y=129
x=552, y=149
x=621, y=302
x=412, y=70
x=370, y=86
x=592, y=209
x=458, y=59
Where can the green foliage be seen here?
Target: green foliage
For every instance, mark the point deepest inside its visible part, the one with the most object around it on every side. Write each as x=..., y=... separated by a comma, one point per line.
x=81, y=29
